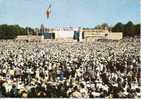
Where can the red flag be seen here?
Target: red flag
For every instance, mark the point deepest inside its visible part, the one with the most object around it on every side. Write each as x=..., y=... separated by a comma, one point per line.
x=48, y=12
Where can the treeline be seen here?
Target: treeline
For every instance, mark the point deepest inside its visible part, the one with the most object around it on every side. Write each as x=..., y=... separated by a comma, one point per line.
x=11, y=31
x=129, y=29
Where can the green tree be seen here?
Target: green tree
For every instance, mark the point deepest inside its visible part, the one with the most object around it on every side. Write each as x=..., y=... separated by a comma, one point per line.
x=6, y=32
x=30, y=31
x=102, y=26
x=137, y=29
x=119, y=27
x=105, y=26
x=98, y=27
x=11, y=31
x=129, y=29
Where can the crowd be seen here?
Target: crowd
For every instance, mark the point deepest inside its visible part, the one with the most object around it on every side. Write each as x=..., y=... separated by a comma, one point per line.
x=98, y=69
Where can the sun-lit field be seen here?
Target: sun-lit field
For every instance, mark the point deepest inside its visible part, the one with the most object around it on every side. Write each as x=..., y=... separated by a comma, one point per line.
x=51, y=69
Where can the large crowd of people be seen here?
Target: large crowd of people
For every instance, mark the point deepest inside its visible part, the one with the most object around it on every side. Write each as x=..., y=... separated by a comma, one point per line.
x=98, y=69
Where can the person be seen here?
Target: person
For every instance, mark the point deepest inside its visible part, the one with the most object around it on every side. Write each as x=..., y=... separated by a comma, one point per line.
x=14, y=91
x=53, y=70
x=2, y=89
x=83, y=90
x=76, y=93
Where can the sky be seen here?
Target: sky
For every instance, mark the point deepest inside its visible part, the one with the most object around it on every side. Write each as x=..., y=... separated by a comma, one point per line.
x=75, y=13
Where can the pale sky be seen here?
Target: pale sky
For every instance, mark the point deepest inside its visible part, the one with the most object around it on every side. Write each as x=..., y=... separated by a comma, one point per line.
x=84, y=13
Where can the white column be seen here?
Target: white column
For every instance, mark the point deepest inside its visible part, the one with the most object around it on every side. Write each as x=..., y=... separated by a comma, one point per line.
x=80, y=36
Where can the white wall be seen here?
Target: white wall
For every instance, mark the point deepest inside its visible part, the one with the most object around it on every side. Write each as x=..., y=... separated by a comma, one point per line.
x=115, y=36
x=64, y=34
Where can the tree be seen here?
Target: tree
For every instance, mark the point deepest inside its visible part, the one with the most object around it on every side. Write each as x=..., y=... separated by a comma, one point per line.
x=105, y=26
x=119, y=27
x=137, y=30
x=11, y=31
x=30, y=31
x=98, y=27
x=129, y=29
x=7, y=32
x=102, y=26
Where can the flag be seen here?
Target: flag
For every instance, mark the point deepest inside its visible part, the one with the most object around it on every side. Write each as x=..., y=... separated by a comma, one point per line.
x=48, y=12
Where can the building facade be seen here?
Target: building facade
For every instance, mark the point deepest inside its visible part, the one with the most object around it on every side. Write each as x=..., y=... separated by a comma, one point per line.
x=96, y=34
x=79, y=34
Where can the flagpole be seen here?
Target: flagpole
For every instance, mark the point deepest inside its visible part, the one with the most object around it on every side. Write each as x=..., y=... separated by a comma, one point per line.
x=48, y=14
